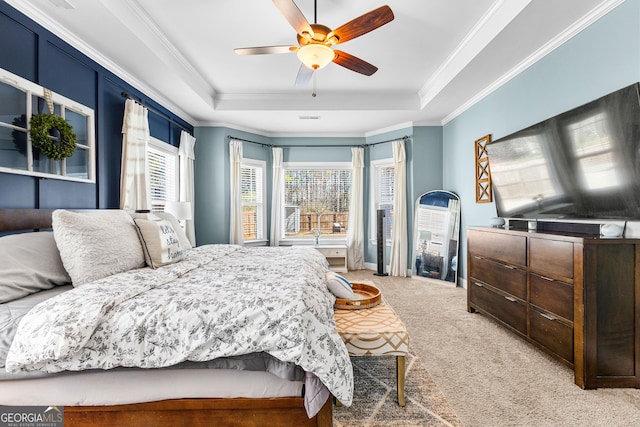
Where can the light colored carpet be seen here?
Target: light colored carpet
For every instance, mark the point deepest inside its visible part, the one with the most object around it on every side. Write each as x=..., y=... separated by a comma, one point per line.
x=489, y=376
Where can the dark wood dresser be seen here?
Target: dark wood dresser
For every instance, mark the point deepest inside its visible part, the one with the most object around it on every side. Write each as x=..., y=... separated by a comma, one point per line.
x=574, y=296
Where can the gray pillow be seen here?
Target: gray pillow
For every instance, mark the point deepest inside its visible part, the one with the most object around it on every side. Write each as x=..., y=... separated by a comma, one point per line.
x=29, y=263
x=96, y=244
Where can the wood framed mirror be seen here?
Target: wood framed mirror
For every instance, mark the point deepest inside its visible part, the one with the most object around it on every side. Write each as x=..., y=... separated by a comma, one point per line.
x=436, y=236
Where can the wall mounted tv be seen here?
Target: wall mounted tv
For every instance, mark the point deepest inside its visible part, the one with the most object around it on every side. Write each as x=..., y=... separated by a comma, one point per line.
x=581, y=164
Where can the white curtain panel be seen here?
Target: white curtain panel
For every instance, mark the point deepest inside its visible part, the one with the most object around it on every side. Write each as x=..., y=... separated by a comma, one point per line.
x=187, y=157
x=277, y=197
x=355, y=227
x=135, y=193
x=398, y=259
x=235, y=214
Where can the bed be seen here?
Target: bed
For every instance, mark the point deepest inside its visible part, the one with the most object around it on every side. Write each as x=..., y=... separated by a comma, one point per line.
x=214, y=334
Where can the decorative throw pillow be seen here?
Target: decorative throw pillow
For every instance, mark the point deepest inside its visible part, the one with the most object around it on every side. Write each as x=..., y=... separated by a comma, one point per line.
x=182, y=237
x=96, y=244
x=160, y=242
x=339, y=286
x=29, y=263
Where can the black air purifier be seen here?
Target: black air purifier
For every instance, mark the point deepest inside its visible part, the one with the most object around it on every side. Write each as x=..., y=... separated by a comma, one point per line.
x=382, y=244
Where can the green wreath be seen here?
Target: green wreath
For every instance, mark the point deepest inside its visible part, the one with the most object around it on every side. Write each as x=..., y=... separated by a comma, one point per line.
x=40, y=128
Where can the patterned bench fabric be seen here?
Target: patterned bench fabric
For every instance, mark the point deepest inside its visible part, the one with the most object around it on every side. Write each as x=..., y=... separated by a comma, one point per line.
x=372, y=331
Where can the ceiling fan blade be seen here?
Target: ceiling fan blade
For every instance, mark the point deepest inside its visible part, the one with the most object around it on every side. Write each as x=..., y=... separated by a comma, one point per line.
x=304, y=75
x=295, y=17
x=363, y=24
x=263, y=50
x=353, y=63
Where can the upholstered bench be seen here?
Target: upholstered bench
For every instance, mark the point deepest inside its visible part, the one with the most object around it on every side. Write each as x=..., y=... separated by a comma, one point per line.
x=375, y=331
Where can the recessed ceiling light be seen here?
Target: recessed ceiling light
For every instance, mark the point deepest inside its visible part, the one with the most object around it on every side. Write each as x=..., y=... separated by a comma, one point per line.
x=63, y=4
x=309, y=117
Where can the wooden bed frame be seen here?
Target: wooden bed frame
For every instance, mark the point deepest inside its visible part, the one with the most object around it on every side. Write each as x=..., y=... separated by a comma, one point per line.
x=245, y=412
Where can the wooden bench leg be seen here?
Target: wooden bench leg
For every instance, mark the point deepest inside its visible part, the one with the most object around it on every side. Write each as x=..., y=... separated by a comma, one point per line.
x=337, y=402
x=400, y=372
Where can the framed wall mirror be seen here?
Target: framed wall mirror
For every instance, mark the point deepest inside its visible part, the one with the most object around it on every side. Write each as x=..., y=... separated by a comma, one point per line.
x=436, y=236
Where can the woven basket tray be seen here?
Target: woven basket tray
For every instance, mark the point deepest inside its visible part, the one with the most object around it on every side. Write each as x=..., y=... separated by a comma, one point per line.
x=370, y=296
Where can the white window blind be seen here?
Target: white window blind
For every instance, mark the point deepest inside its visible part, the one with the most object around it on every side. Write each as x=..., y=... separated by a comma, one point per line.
x=316, y=197
x=382, y=194
x=253, y=208
x=163, y=173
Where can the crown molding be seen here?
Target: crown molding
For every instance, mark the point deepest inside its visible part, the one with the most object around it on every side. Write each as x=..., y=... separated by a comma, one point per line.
x=499, y=15
x=138, y=21
x=584, y=22
x=388, y=129
x=44, y=20
x=227, y=125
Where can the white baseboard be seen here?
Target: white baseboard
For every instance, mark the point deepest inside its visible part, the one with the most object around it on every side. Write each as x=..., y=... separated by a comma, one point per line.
x=462, y=282
x=374, y=267
x=371, y=266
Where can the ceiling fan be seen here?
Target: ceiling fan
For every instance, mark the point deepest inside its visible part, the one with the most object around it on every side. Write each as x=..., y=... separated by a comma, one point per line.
x=316, y=41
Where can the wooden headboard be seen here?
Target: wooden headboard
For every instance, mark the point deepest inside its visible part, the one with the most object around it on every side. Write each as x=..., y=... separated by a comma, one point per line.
x=24, y=219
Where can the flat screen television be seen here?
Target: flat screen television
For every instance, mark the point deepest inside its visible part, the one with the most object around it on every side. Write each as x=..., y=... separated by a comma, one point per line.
x=581, y=164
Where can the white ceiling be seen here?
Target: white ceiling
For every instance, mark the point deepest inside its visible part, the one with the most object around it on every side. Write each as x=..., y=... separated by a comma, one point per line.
x=435, y=59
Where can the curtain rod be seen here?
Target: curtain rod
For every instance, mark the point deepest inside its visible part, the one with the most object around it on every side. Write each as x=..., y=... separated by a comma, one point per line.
x=404, y=138
x=153, y=110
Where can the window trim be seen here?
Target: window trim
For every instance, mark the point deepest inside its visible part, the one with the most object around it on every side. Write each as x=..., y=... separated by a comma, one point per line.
x=262, y=164
x=32, y=89
x=168, y=150
x=293, y=241
x=374, y=166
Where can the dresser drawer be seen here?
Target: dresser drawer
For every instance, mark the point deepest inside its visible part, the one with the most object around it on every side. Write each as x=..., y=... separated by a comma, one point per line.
x=507, y=278
x=552, y=334
x=551, y=256
x=508, y=309
x=552, y=295
x=502, y=247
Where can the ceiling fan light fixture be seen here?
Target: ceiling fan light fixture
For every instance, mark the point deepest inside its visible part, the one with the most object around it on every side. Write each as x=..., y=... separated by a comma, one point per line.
x=316, y=56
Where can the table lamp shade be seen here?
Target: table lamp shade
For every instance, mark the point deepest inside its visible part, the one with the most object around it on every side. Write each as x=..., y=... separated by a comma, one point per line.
x=181, y=210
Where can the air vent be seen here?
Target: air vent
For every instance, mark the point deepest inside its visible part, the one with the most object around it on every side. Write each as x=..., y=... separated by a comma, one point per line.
x=309, y=117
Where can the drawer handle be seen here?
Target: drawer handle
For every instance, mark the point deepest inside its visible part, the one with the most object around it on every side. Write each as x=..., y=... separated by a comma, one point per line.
x=512, y=299
x=548, y=317
x=478, y=257
x=549, y=279
x=478, y=284
x=509, y=267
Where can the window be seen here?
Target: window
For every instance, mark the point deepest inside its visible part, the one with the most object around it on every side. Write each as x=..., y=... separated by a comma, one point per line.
x=22, y=99
x=254, y=219
x=163, y=173
x=316, y=197
x=382, y=179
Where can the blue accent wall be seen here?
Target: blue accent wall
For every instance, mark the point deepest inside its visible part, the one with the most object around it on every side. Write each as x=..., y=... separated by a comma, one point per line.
x=601, y=59
x=34, y=53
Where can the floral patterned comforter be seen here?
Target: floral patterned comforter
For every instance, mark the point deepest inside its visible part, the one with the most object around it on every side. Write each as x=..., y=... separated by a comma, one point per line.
x=221, y=300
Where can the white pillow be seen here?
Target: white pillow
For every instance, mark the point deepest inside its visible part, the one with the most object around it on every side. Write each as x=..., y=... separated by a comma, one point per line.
x=160, y=242
x=29, y=263
x=339, y=286
x=96, y=244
